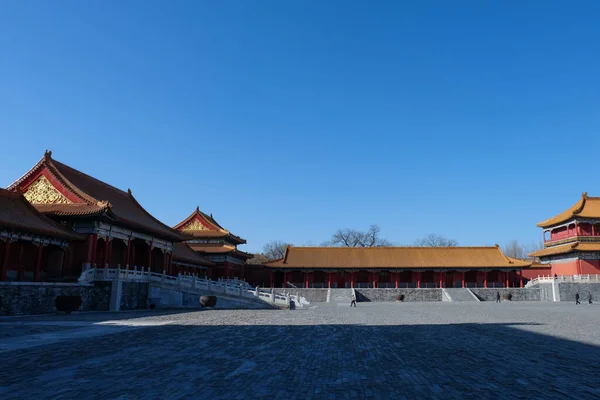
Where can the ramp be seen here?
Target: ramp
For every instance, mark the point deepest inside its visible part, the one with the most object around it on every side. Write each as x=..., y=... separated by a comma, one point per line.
x=460, y=294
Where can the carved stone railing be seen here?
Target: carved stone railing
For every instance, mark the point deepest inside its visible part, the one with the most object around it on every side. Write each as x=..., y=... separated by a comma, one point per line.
x=584, y=278
x=189, y=283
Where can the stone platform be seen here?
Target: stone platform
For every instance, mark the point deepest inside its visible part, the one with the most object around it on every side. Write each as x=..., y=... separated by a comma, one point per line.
x=377, y=350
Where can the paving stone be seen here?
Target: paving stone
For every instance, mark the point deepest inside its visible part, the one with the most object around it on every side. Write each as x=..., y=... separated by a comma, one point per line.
x=377, y=350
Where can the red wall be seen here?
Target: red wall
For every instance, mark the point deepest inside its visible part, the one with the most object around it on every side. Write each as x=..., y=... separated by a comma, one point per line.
x=567, y=268
x=535, y=272
x=590, y=266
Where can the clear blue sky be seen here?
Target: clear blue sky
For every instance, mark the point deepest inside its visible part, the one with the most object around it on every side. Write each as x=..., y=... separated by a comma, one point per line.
x=290, y=119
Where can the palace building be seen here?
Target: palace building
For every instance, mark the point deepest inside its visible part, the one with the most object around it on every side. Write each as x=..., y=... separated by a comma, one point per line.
x=32, y=246
x=94, y=223
x=396, y=267
x=572, y=239
x=216, y=244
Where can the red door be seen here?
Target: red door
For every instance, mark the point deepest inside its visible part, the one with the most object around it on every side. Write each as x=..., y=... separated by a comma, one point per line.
x=449, y=279
x=341, y=279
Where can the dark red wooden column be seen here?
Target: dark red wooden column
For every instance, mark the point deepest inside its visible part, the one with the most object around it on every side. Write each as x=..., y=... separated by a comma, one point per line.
x=20, y=272
x=149, y=257
x=521, y=277
x=38, y=263
x=128, y=252
x=4, y=265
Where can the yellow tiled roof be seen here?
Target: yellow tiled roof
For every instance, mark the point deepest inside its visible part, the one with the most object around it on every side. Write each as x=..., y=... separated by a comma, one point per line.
x=396, y=257
x=586, y=207
x=566, y=248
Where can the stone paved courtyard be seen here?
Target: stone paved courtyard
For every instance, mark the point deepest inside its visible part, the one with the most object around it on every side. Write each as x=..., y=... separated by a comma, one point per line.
x=378, y=350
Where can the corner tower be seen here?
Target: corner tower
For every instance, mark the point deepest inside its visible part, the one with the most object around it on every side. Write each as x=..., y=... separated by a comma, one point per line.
x=572, y=239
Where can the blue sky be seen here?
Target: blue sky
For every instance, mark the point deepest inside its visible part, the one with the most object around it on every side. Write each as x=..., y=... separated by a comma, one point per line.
x=289, y=120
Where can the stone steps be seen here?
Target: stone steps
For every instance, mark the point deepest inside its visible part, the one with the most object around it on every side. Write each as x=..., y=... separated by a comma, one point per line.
x=460, y=294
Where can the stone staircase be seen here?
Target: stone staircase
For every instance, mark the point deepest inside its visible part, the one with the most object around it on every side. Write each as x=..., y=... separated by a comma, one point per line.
x=460, y=294
x=340, y=296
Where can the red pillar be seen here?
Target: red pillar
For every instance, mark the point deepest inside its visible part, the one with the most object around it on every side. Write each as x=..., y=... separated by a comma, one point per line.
x=92, y=245
x=485, y=280
x=521, y=277
x=462, y=276
x=418, y=280
x=329, y=279
x=170, y=267
x=306, y=278
x=67, y=264
x=285, y=278
x=150, y=257
x=132, y=260
x=38, y=263
x=506, y=276
x=107, y=251
x=352, y=279
x=397, y=278
x=128, y=252
x=441, y=279
x=20, y=271
x=4, y=265
x=374, y=277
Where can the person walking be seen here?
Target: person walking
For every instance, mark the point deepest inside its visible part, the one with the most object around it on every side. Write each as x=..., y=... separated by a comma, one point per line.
x=353, y=302
x=589, y=298
x=577, y=298
x=497, y=296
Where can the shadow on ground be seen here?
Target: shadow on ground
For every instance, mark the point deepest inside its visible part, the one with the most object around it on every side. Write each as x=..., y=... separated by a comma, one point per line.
x=308, y=361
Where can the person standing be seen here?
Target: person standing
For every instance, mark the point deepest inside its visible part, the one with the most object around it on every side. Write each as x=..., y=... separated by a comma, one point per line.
x=589, y=298
x=577, y=298
x=353, y=302
x=497, y=296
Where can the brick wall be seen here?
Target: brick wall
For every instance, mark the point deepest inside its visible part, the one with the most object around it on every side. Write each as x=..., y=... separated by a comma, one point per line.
x=19, y=298
x=377, y=295
x=517, y=294
x=134, y=296
x=568, y=289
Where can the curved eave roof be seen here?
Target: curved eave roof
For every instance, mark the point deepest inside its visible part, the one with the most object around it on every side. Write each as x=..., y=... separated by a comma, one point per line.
x=182, y=252
x=214, y=229
x=396, y=257
x=95, y=193
x=566, y=248
x=16, y=213
x=586, y=207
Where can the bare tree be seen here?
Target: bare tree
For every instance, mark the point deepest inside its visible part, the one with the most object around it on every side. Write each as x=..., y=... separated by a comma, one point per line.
x=514, y=249
x=275, y=249
x=435, y=240
x=356, y=238
x=258, y=259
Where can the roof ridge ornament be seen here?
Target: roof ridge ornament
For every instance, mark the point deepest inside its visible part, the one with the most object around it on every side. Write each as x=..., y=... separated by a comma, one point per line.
x=48, y=154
